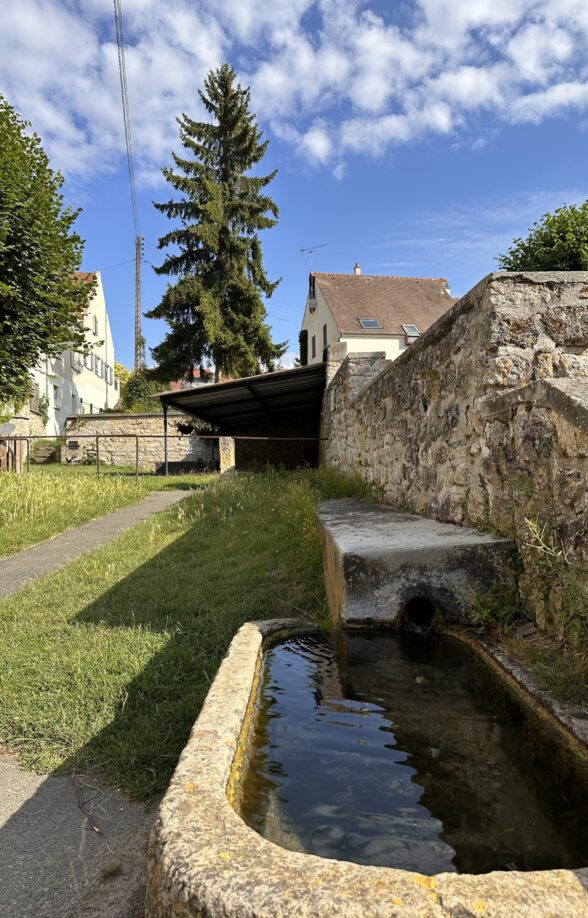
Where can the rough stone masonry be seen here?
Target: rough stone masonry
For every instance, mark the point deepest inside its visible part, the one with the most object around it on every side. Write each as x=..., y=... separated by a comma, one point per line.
x=484, y=419
x=118, y=440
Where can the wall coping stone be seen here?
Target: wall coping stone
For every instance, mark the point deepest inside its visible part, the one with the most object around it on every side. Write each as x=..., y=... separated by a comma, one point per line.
x=117, y=417
x=205, y=861
x=569, y=397
x=468, y=302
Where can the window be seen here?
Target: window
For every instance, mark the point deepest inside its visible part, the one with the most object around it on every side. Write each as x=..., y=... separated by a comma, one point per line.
x=89, y=361
x=98, y=365
x=75, y=361
x=313, y=345
x=96, y=325
x=73, y=404
x=56, y=398
x=370, y=323
x=411, y=332
x=324, y=335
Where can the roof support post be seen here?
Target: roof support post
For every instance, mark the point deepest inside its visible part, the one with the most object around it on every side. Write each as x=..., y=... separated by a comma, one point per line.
x=165, y=468
x=226, y=451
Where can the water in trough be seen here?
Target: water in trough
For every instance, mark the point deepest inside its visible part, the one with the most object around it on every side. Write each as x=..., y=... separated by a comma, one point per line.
x=408, y=751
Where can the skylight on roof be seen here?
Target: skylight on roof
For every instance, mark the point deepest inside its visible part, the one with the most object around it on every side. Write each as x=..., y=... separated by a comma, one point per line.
x=370, y=323
x=411, y=331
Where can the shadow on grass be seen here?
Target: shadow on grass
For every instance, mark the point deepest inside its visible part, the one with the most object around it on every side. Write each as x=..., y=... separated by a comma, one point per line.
x=197, y=605
x=252, y=552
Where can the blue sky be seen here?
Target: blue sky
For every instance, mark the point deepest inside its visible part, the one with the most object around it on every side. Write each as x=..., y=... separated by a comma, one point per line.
x=417, y=138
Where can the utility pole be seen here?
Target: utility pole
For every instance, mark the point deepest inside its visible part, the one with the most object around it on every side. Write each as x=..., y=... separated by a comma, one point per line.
x=139, y=345
x=139, y=355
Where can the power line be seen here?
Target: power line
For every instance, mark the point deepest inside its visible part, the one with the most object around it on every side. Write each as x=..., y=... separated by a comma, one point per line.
x=126, y=109
x=120, y=42
x=117, y=265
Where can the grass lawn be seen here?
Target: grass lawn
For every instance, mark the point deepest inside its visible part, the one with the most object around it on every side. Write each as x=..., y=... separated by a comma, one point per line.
x=105, y=664
x=50, y=499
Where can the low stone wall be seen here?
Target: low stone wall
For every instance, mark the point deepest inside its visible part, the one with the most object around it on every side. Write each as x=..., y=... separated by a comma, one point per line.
x=484, y=420
x=184, y=448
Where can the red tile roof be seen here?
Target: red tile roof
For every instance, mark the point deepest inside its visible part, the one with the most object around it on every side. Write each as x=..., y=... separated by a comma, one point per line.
x=394, y=301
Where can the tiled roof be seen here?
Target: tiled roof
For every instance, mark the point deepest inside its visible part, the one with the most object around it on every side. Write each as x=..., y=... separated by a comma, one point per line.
x=394, y=301
x=85, y=276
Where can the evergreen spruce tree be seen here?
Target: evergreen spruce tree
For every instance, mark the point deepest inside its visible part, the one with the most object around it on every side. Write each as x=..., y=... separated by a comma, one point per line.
x=215, y=309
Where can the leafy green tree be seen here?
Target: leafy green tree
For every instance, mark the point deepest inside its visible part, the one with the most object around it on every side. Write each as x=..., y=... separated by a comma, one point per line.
x=139, y=386
x=122, y=373
x=557, y=242
x=216, y=310
x=42, y=304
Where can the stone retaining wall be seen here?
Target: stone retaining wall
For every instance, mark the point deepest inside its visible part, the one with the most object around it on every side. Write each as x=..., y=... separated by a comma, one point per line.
x=183, y=447
x=484, y=419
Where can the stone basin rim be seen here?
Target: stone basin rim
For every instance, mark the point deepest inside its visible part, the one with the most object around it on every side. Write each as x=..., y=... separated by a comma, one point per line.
x=205, y=861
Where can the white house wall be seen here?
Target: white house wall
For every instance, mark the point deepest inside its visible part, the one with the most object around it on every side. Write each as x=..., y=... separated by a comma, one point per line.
x=314, y=323
x=80, y=389
x=392, y=345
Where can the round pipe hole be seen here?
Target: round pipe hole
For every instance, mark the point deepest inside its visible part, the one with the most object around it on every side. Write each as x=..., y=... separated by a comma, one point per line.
x=419, y=614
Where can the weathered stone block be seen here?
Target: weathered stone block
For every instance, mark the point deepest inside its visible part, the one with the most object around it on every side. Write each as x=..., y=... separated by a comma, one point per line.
x=377, y=560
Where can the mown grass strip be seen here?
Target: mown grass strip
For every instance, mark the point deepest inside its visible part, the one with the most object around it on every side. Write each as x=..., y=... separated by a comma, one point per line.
x=46, y=501
x=105, y=664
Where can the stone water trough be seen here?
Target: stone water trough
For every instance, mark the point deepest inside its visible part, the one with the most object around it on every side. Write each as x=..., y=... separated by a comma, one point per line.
x=205, y=861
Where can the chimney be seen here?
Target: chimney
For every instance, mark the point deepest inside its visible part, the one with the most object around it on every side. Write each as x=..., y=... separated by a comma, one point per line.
x=357, y=269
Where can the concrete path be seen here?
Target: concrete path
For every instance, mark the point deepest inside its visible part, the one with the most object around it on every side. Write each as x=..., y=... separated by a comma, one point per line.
x=47, y=556
x=68, y=848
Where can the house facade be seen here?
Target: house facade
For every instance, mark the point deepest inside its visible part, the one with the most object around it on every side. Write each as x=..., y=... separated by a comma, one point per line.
x=370, y=312
x=73, y=383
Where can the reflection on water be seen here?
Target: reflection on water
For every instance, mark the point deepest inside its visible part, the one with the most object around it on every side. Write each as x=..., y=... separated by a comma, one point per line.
x=406, y=751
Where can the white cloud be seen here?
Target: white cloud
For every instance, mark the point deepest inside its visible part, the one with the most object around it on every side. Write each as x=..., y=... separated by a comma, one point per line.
x=317, y=143
x=553, y=101
x=332, y=77
x=537, y=52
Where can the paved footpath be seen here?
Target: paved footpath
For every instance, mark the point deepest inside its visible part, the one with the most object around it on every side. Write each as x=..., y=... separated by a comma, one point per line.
x=68, y=847
x=54, y=553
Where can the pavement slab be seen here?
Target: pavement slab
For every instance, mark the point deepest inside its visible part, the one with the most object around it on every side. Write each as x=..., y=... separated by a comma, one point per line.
x=69, y=847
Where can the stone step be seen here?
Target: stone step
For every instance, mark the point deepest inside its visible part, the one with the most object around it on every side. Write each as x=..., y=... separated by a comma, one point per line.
x=385, y=567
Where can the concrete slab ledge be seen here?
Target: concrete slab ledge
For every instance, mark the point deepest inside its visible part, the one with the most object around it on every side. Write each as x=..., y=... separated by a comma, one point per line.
x=204, y=861
x=377, y=560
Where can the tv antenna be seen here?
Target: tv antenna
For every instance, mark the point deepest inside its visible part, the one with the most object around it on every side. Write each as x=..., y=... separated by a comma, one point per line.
x=311, y=250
